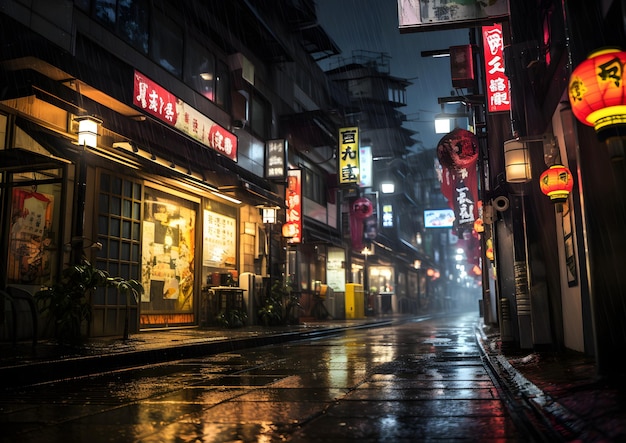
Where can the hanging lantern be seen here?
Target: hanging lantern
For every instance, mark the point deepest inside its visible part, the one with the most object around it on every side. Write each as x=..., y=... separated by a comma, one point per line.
x=597, y=92
x=479, y=225
x=556, y=182
x=489, y=250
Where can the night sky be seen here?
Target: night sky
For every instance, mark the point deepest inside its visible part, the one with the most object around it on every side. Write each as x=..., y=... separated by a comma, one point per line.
x=372, y=25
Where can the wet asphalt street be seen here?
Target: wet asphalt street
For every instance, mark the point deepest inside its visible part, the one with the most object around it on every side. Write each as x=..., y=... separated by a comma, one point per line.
x=418, y=381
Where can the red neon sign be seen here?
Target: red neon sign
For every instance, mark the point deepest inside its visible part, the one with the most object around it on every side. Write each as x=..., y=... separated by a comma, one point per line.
x=497, y=88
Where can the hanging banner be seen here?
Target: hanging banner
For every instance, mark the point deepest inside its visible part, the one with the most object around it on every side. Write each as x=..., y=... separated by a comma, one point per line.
x=349, y=168
x=292, y=229
x=360, y=209
x=497, y=88
x=367, y=164
x=457, y=152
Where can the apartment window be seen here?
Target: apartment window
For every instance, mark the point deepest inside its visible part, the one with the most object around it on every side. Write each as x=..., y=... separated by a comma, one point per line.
x=167, y=44
x=128, y=19
x=314, y=187
x=259, y=117
x=134, y=23
x=200, y=71
x=222, y=85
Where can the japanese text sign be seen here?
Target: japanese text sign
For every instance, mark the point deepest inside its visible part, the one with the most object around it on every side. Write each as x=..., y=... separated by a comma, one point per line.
x=276, y=159
x=292, y=229
x=349, y=156
x=497, y=88
x=157, y=101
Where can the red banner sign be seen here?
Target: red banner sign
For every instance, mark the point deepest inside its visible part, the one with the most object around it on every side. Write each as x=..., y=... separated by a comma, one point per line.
x=497, y=88
x=157, y=101
x=292, y=229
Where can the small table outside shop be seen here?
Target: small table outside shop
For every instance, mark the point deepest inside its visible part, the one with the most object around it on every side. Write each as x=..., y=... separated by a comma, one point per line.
x=223, y=300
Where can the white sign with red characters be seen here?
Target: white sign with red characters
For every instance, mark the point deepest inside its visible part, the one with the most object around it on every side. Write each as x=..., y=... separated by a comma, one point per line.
x=155, y=100
x=497, y=88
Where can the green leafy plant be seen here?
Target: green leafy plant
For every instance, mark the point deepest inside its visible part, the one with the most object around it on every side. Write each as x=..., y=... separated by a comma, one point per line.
x=68, y=302
x=272, y=313
x=232, y=318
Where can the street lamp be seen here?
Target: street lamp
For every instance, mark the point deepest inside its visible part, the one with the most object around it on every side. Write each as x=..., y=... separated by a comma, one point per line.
x=417, y=264
x=366, y=252
x=87, y=137
x=446, y=122
x=268, y=214
x=387, y=187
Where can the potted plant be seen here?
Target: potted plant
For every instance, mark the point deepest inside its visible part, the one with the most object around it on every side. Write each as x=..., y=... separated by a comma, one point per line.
x=232, y=318
x=271, y=312
x=132, y=289
x=68, y=304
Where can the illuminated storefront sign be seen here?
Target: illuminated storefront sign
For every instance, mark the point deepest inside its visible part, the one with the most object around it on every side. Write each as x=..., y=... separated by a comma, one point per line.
x=160, y=103
x=367, y=163
x=292, y=229
x=433, y=15
x=276, y=159
x=497, y=88
x=349, y=156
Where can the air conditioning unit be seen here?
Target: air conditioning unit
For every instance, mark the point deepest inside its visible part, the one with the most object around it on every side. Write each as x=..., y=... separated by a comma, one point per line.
x=241, y=67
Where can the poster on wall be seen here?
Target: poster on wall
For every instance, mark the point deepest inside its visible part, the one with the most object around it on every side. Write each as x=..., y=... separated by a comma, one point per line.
x=30, y=237
x=219, y=240
x=167, y=254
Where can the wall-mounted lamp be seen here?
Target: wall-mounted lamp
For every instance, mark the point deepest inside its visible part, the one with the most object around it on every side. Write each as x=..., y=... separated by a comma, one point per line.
x=268, y=213
x=516, y=161
x=88, y=130
x=417, y=264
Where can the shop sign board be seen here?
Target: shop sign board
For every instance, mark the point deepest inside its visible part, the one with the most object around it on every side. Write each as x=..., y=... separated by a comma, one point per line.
x=292, y=229
x=160, y=103
x=276, y=159
x=497, y=88
x=349, y=169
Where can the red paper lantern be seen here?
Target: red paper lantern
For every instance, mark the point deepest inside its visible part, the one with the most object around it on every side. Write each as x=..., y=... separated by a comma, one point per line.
x=557, y=182
x=597, y=91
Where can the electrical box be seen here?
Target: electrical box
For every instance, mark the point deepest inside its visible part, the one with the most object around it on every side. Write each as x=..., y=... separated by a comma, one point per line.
x=355, y=302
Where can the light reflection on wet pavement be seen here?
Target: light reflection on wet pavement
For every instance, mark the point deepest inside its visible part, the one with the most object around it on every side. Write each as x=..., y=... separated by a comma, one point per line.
x=411, y=382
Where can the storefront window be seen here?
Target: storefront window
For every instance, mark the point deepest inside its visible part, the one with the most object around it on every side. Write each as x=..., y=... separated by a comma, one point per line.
x=33, y=234
x=219, y=245
x=168, y=259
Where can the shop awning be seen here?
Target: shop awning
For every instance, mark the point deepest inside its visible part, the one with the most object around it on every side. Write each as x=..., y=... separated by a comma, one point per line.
x=18, y=160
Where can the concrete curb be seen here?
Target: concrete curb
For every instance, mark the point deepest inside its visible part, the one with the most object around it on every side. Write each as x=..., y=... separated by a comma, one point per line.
x=557, y=422
x=79, y=366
